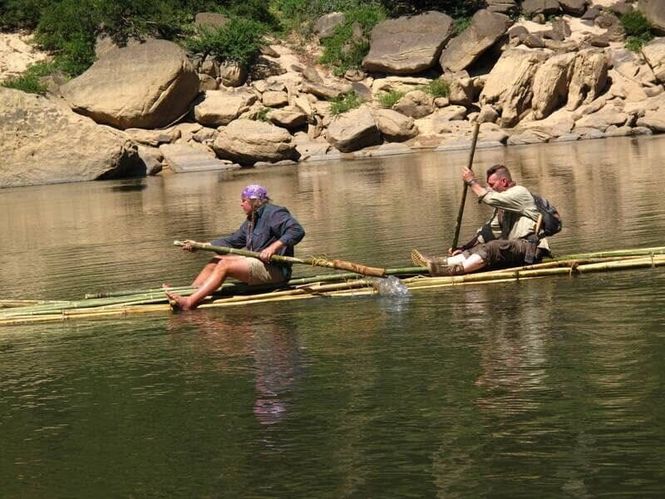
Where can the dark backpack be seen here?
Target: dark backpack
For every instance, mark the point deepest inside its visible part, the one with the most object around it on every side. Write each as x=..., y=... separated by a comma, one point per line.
x=551, y=223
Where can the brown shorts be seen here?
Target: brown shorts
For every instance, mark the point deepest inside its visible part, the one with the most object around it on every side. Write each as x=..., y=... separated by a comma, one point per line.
x=501, y=253
x=261, y=273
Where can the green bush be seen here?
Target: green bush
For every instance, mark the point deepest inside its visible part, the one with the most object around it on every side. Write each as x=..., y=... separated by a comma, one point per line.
x=239, y=40
x=21, y=14
x=438, y=88
x=343, y=51
x=389, y=99
x=638, y=30
x=344, y=103
x=29, y=81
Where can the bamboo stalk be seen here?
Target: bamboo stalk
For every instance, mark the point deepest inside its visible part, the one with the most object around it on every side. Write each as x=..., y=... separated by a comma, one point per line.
x=313, y=261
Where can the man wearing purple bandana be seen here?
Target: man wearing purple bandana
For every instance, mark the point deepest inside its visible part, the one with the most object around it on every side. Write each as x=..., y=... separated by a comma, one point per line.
x=268, y=230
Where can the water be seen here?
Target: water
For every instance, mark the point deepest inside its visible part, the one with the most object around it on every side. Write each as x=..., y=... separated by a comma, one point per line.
x=549, y=387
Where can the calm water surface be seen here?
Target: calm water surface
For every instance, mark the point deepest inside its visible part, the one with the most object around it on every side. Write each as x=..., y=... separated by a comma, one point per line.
x=551, y=387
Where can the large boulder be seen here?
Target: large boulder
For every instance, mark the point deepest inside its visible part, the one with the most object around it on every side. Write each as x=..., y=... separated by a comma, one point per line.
x=654, y=53
x=654, y=11
x=247, y=142
x=149, y=85
x=509, y=85
x=408, y=45
x=221, y=107
x=485, y=30
x=395, y=126
x=45, y=142
x=550, y=84
x=589, y=78
x=353, y=130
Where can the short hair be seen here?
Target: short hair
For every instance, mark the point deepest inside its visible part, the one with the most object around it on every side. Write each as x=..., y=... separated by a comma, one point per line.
x=500, y=171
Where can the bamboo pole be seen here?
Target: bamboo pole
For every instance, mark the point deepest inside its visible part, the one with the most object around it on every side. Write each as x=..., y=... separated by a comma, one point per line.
x=460, y=213
x=313, y=261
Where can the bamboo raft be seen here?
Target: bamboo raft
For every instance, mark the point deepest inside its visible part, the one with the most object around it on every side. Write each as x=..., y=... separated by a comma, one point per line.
x=415, y=279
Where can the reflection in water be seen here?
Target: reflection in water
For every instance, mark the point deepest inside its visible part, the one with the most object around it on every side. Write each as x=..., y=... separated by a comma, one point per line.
x=271, y=346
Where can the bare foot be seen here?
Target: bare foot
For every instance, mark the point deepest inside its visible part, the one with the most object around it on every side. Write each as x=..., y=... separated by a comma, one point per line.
x=176, y=302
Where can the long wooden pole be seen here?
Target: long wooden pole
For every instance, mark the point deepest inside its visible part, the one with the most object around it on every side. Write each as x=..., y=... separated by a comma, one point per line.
x=313, y=261
x=460, y=213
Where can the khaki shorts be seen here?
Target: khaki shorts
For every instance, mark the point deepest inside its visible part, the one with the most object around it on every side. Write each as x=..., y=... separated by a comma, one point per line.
x=260, y=273
x=501, y=253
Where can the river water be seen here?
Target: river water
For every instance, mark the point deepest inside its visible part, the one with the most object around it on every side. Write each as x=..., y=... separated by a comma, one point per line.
x=551, y=387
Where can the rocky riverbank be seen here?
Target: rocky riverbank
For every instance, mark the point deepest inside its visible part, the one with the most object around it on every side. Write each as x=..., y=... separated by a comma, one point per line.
x=150, y=108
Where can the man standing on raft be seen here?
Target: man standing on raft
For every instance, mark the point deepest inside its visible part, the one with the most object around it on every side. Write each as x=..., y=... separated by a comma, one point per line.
x=268, y=229
x=508, y=239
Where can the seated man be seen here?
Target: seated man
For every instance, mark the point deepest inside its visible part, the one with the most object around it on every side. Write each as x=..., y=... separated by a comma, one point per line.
x=268, y=229
x=506, y=240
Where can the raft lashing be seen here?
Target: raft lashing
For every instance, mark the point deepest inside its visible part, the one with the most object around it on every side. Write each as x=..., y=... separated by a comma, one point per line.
x=398, y=282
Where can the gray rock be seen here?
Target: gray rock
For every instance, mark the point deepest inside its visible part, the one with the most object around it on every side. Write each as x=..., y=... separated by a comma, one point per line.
x=291, y=117
x=573, y=7
x=408, y=45
x=395, y=126
x=44, y=142
x=531, y=8
x=247, y=142
x=144, y=86
x=654, y=11
x=185, y=158
x=353, y=130
x=221, y=107
x=325, y=25
x=416, y=104
x=485, y=30
x=589, y=78
x=654, y=53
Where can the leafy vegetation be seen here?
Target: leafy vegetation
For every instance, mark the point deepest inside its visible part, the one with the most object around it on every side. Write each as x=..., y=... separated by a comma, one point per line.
x=388, y=99
x=344, y=103
x=638, y=30
x=350, y=43
x=30, y=80
x=239, y=40
x=437, y=88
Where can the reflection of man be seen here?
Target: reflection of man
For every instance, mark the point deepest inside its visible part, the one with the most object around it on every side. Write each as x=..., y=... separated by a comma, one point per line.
x=504, y=241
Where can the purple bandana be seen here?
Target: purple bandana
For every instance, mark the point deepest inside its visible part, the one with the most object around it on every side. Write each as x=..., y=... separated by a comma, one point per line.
x=254, y=191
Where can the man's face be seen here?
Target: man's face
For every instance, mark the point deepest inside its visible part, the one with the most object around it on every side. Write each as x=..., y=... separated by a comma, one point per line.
x=496, y=183
x=246, y=205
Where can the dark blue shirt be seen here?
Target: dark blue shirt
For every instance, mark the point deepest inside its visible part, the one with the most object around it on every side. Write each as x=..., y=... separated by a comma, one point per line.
x=271, y=223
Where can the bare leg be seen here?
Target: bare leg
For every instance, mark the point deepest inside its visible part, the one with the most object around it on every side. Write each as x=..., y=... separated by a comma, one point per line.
x=205, y=272
x=231, y=266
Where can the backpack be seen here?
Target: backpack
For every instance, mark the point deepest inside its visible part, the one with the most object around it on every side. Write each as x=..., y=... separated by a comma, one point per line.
x=551, y=223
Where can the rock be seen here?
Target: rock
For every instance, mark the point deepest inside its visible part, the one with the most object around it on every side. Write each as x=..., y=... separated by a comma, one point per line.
x=205, y=136
x=461, y=89
x=207, y=82
x=353, y=130
x=550, y=84
x=402, y=84
x=144, y=86
x=325, y=25
x=274, y=99
x=395, y=126
x=529, y=137
x=153, y=137
x=152, y=158
x=654, y=53
x=653, y=120
x=45, y=142
x=247, y=141
x=589, y=78
x=508, y=86
x=233, y=74
x=291, y=117
x=193, y=157
x=485, y=30
x=388, y=149
x=415, y=104
x=326, y=90
x=221, y=107
x=502, y=6
x=531, y=8
x=602, y=119
x=573, y=7
x=487, y=114
x=408, y=45
x=451, y=113
x=654, y=11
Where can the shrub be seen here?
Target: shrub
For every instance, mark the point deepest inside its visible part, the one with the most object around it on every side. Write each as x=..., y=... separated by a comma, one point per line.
x=638, y=30
x=460, y=24
x=437, y=88
x=344, y=103
x=19, y=14
x=29, y=81
x=389, y=99
x=239, y=41
x=343, y=50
